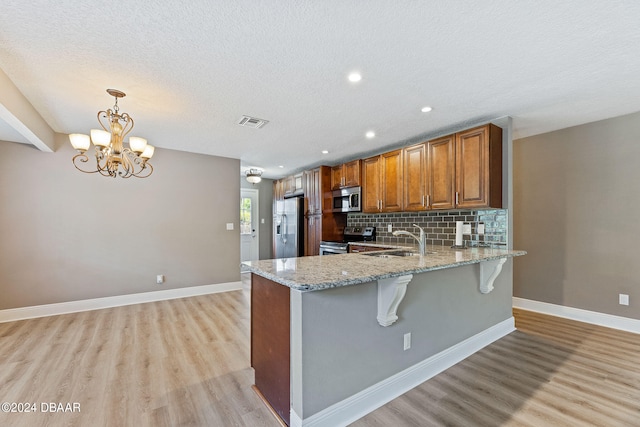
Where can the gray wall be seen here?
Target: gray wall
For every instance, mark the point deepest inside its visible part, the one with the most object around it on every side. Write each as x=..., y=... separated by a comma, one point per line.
x=71, y=236
x=577, y=196
x=344, y=349
x=265, y=205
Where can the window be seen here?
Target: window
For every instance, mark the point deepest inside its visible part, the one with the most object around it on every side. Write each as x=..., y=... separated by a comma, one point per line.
x=245, y=215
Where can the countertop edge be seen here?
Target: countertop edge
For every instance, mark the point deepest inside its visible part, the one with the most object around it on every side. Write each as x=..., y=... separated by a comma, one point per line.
x=370, y=278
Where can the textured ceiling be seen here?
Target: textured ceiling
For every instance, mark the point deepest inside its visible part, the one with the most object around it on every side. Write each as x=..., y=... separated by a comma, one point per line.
x=192, y=69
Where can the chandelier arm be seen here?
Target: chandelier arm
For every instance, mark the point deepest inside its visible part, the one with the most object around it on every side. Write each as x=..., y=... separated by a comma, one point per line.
x=145, y=166
x=128, y=124
x=128, y=165
x=102, y=115
x=82, y=158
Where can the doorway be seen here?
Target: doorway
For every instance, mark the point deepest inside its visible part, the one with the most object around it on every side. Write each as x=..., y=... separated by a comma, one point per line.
x=249, y=236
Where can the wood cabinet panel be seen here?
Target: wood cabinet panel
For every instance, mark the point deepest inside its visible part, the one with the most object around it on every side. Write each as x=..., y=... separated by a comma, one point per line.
x=320, y=222
x=441, y=173
x=351, y=173
x=346, y=175
x=270, y=342
x=337, y=177
x=415, y=178
x=479, y=167
x=391, y=181
x=371, y=193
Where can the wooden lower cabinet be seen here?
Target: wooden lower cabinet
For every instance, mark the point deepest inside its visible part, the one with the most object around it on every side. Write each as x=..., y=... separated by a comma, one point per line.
x=270, y=343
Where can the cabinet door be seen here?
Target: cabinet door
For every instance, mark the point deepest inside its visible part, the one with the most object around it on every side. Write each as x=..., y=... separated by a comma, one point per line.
x=351, y=172
x=415, y=178
x=472, y=168
x=479, y=167
x=289, y=186
x=371, y=184
x=313, y=235
x=391, y=181
x=337, y=177
x=441, y=170
x=298, y=183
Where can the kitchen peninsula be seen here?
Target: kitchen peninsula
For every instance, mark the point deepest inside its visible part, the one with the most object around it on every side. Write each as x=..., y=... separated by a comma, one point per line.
x=334, y=337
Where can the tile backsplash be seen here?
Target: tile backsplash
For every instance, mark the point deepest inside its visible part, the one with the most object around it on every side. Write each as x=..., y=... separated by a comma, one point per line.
x=440, y=226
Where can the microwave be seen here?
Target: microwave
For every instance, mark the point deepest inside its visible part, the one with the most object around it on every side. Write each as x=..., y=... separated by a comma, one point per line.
x=347, y=200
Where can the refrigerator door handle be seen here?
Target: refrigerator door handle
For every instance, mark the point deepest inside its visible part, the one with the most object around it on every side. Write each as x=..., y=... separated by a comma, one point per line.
x=283, y=235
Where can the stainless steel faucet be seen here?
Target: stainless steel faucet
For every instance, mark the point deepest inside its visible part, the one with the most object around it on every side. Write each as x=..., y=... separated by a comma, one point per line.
x=422, y=240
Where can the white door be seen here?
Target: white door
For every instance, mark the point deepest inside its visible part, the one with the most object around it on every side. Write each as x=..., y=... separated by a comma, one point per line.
x=249, y=244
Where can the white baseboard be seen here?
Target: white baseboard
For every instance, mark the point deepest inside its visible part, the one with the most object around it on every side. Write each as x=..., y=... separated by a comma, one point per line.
x=366, y=401
x=12, y=314
x=593, y=317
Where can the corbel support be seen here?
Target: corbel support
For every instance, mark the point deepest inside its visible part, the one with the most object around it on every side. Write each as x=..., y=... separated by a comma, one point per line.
x=489, y=270
x=390, y=294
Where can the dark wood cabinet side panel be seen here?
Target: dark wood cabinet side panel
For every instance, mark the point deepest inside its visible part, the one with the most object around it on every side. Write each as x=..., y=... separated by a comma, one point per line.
x=270, y=342
x=495, y=166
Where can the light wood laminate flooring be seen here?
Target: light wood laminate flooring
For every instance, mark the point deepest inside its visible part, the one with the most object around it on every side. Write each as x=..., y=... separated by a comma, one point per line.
x=185, y=362
x=550, y=372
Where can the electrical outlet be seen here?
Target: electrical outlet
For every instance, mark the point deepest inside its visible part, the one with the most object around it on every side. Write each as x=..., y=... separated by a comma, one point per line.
x=481, y=229
x=623, y=299
x=466, y=229
x=229, y=226
x=407, y=341
x=160, y=279
x=390, y=228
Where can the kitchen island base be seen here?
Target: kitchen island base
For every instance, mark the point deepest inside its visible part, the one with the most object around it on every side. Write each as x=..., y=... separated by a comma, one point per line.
x=344, y=364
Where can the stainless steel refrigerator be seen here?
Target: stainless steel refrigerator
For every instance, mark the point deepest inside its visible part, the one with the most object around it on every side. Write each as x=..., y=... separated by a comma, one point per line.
x=288, y=228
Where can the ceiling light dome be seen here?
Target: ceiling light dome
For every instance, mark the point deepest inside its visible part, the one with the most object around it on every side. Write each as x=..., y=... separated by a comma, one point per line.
x=254, y=176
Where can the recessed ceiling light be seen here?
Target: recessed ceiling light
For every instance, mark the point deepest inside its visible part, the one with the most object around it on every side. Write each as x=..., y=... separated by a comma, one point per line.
x=426, y=109
x=281, y=167
x=325, y=152
x=370, y=134
x=355, y=77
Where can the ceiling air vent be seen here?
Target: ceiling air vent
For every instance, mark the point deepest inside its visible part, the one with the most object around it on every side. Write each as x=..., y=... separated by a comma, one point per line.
x=252, y=122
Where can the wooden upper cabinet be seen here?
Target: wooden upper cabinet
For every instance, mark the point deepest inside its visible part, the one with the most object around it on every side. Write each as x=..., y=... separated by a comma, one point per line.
x=312, y=195
x=479, y=167
x=391, y=178
x=371, y=192
x=346, y=175
x=382, y=183
x=294, y=184
x=415, y=178
x=352, y=173
x=441, y=169
x=337, y=177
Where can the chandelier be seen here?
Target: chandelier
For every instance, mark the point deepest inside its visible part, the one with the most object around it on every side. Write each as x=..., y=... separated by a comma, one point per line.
x=254, y=176
x=112, y=157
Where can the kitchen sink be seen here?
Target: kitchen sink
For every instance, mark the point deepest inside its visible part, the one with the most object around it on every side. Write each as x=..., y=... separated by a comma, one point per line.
x=393, y=254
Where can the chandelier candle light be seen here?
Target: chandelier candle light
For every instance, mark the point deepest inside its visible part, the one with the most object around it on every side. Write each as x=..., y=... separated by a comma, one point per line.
x=112, y=157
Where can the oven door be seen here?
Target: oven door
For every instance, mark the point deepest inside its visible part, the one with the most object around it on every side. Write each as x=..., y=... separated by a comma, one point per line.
x=332, y=249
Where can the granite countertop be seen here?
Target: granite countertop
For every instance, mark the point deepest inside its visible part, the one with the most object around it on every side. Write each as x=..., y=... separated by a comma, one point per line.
x=316, y=273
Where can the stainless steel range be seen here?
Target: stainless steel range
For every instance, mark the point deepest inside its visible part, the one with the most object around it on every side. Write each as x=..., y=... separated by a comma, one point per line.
x=351, y=234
